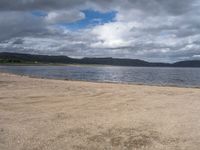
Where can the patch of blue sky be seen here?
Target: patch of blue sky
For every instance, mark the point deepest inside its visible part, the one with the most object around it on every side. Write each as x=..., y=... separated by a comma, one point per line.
x=92, y=18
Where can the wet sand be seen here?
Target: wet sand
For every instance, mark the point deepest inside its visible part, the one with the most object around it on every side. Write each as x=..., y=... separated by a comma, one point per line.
x=42, y=114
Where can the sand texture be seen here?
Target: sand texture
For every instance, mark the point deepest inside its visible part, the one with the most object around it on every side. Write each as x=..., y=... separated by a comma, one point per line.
x=41, y=114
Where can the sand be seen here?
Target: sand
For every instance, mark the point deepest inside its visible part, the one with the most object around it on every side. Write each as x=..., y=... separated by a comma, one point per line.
x=42, y=114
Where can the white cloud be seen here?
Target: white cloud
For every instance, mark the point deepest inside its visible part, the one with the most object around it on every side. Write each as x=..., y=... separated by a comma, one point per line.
x=64, y=16
x=114, y=34
x=196, y=56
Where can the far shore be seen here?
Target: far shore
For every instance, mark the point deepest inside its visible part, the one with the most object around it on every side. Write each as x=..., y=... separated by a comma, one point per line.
x=95, y=65
x=47, y=114
x=48, y=64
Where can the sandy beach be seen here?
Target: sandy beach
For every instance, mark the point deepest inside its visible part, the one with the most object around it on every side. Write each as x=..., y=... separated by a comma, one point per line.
x=42, y=114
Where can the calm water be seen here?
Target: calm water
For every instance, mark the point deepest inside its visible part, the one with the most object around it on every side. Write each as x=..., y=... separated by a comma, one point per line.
x=187, y=77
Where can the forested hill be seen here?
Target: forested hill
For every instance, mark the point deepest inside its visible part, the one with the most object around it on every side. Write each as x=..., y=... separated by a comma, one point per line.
x=17, y=58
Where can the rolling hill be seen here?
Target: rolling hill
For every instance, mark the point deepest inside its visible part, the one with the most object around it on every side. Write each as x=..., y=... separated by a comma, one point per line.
x=13, y=58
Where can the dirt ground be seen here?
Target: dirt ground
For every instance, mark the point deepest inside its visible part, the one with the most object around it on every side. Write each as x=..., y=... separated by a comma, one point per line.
x=41, y=114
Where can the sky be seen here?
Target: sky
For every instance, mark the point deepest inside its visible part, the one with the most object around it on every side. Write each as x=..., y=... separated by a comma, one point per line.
x=152, y=30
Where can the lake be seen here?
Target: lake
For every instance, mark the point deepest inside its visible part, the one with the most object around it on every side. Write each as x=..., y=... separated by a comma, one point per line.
x=183, y=77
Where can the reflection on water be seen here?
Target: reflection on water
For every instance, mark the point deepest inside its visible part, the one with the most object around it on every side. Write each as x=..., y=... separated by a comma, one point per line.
x=188, y=77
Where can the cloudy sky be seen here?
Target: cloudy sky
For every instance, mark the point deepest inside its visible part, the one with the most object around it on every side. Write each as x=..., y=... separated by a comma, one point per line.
x=153, y=30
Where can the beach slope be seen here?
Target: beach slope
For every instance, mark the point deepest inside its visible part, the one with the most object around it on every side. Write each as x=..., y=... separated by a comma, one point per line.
x=42, y=114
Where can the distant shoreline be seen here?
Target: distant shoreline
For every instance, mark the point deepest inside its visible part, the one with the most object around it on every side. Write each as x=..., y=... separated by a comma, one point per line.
x=92, y=65
x=19, y=58
x=55, y=64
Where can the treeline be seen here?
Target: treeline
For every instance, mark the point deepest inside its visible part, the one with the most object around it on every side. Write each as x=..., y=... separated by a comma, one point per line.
x=16, y=58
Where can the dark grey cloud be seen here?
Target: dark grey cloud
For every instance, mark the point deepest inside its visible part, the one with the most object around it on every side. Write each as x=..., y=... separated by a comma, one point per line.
x=18, y=41
x=176, y=7
x=26, y=5
x=15, y=24
x=170, y=6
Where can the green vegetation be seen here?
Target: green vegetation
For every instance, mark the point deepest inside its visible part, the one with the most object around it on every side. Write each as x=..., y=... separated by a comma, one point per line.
x=10, y=61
